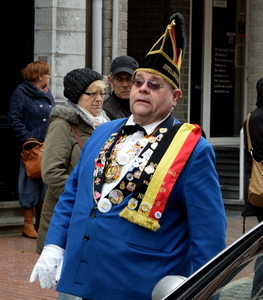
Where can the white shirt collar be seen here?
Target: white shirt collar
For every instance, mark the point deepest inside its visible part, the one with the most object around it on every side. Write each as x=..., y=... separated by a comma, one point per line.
x=148, y=128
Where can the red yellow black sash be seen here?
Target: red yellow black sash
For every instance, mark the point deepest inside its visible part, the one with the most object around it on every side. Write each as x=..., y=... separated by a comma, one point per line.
x=152, y=191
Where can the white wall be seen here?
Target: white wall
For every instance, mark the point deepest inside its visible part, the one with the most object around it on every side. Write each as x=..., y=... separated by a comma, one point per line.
x=60, y=36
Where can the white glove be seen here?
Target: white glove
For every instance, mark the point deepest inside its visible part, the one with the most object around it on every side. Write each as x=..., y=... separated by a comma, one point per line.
x=48, y=266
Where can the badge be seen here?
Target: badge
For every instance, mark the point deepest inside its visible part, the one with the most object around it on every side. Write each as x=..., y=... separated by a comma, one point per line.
x=112, y=172
x=139, y=160
x=143, y=142
x=104, y=205
x=163, y=130
x=136, y=150
x=97, y=195
x=129, y=176
x=159, y=137
x=147, y=154
x=131, y=186
x=149, y=169
x=145, y=207
x=137, y=174
x=154, y=145
x=158, y=215
x=123, y=159
x=152, y=139
x=131, y=168
x=116, y=196
x=132, y=204
x=97, y=181
x=135, y=164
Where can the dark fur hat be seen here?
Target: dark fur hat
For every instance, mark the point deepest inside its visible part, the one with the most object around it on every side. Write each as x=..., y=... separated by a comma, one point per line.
x=76, y=82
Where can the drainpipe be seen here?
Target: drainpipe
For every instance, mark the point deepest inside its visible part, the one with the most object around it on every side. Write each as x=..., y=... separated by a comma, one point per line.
x=97, y=35
x=115, y=20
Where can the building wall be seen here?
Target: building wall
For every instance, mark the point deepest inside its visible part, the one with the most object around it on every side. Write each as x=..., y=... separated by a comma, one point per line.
x=121, y=33
x=60, y=38
x=63, y=36
x=254, y=50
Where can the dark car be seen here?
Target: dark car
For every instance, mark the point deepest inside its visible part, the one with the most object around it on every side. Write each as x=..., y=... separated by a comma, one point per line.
x=235, y=273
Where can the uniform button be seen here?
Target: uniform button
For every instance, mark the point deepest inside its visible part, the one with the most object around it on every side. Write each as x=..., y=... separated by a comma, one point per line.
x=44, y=120
x=41, y=105
x=93, y=215
x=86, y=238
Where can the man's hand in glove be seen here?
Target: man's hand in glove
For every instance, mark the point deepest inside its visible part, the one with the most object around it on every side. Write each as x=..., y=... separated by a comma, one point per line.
x=48, y=266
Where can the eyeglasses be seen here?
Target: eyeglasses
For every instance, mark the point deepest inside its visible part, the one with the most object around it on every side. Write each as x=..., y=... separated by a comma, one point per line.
x=92, y=95
x=152, y=85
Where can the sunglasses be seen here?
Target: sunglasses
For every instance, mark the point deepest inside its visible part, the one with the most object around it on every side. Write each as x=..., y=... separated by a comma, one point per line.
x=152, y=85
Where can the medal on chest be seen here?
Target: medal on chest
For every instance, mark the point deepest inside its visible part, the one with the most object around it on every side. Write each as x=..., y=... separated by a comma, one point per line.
x=109, y=165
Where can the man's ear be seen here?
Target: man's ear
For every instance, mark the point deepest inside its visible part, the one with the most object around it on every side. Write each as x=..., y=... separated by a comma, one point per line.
x=177, y=94
x=110, y=79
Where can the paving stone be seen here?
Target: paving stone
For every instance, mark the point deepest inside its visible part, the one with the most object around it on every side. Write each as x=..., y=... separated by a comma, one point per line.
x=18, y=256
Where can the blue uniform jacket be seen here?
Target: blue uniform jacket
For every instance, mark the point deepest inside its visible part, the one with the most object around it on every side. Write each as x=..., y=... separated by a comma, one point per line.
x=107, y=257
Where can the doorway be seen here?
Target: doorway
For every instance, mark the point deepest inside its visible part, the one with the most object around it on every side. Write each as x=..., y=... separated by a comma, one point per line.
x=17, y=49
x=217, y=68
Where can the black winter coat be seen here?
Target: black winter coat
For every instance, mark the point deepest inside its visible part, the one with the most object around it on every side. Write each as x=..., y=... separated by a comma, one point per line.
x=256, y=135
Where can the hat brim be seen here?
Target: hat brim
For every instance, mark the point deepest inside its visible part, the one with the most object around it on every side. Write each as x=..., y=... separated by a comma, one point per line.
x=122, y=69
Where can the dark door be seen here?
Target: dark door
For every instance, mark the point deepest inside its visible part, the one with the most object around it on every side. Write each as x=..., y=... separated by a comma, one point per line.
x=17, y=49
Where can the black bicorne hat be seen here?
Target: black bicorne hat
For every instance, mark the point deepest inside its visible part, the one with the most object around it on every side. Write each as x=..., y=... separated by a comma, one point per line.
x=165, y=57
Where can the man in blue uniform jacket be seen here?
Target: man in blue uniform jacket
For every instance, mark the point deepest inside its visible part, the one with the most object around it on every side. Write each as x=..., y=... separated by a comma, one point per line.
x=144, y=201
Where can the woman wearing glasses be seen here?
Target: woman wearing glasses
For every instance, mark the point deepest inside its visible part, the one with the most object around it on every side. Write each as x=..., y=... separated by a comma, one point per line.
x=82, y=112
x=28, y=117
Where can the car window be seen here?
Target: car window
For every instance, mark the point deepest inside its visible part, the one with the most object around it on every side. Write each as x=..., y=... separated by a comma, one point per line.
x=245, y=282
x=235, y=273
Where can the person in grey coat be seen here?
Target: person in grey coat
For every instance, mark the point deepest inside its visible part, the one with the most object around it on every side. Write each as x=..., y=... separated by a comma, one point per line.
x=28, y=117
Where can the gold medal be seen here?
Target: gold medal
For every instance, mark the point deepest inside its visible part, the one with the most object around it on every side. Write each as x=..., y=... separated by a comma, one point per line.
x=112, y=172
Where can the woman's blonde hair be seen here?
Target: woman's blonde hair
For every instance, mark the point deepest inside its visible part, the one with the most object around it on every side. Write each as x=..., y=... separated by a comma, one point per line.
x=99, y=84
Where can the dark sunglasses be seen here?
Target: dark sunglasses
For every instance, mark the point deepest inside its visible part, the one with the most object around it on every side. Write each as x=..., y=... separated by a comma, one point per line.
x=152, y=85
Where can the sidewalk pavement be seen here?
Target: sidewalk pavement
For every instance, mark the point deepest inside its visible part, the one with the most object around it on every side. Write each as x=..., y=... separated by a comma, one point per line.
x=18, y=256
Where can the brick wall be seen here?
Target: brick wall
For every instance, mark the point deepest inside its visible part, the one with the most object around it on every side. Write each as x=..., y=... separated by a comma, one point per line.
x=255, y=53
x=107, y=32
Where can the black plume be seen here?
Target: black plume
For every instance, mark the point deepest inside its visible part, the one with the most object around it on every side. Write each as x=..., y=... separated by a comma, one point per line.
x=179, y=31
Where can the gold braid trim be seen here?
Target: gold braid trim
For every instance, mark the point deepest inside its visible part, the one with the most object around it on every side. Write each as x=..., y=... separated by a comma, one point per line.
x=136, y=218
